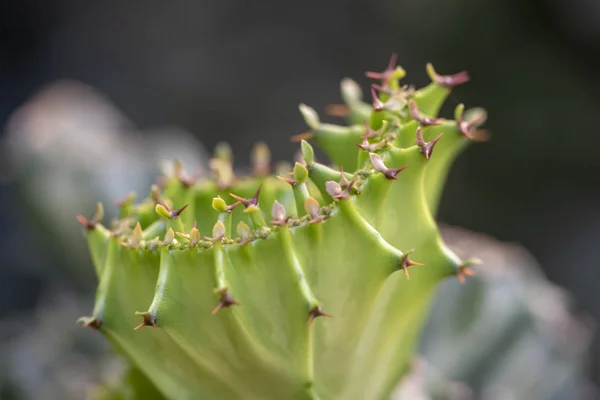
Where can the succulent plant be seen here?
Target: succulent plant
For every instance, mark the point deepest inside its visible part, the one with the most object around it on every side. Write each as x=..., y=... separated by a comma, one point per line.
x=229, y=275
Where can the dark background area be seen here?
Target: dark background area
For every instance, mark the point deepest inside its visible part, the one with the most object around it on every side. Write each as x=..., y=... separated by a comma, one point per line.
x=236, y=71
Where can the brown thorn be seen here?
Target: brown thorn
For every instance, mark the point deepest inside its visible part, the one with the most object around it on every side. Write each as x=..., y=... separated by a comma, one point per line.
x=426, y=147
x=89, y=225
x=337, y=110
x=391, y=173
x=316, y=312
x=289, y=181
x=149, y=320
x=93, y=323
x=226, y=301
x=253, y=201
x=406, y=262
x=416, y=115
x=177, y=213
x=230, y=207
x=384, y=75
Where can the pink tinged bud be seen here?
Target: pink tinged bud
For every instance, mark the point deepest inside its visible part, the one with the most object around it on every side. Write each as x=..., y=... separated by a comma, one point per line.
x=333, y=188
x=313, y=208
x=243, y=232
x=278, y=214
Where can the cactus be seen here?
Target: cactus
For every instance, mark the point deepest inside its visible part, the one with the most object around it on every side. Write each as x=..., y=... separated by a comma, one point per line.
x=213, y=287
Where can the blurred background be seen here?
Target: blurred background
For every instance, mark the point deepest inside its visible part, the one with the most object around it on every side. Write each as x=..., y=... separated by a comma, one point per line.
x=94, y=96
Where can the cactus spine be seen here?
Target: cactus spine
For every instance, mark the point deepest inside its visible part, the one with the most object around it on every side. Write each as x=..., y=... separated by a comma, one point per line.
x=228, y=275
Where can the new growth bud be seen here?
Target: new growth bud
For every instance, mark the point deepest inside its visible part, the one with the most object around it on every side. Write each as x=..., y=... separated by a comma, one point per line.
x=300, y=173
x=278, y=214
x=219, y=204
x=261, y=159
x=310, y=116
x=308, y=152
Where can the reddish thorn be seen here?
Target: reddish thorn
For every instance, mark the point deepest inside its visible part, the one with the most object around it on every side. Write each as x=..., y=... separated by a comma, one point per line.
x=378, y=105
x=139, y=326
x=474, y=135
x=382, y=89
x=87, y=224
x=290, y=181
x=337, y=110
x=374, y=75
x=253, y=201
x=93, y=323
x=316, y=312
x=345, y=194
x=232, y=206
x=393, y=61
x=416, y=115
x=177, y=213
x=407, y=262
x=451, y=81
x=303, y=136
x=391, y=173
x=368, y=130
x=384, y=75
x=461, y=272
x=426, y=147
x=371, y=147
x=174, y=213
x=343, y=180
